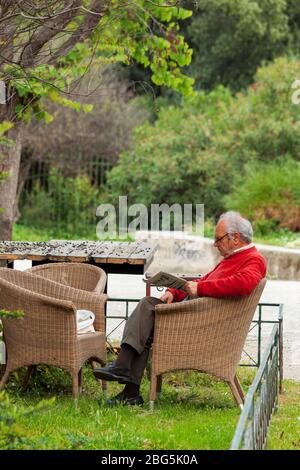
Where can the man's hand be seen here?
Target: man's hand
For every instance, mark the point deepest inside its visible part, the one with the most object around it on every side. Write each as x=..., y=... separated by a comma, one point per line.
x=190, y=288
x=167, y=297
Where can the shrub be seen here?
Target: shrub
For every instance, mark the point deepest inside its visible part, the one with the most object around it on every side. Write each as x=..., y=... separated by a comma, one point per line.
x=69, y=204
x=230, y=38
x=269, y=195
x=199, y=151
x=172, y=161
x=11, y=435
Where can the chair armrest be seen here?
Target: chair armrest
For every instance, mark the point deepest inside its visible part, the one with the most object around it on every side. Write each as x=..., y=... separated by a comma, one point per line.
x=101, y=284
x=94, y=302
x=44, y=315
x=80, y=298
x=187, y=306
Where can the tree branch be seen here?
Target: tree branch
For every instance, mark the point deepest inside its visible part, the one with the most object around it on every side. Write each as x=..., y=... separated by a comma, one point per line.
x=46, y=32
x=89, y=23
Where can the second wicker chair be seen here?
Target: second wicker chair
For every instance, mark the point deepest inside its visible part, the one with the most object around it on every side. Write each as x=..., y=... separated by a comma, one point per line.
x=206, y=335
x=47, y=334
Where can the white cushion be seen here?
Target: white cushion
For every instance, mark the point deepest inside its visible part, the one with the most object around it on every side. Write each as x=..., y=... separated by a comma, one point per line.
x=85, y=320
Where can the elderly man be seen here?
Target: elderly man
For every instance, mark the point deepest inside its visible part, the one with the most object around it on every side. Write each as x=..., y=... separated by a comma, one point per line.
x=237, y=274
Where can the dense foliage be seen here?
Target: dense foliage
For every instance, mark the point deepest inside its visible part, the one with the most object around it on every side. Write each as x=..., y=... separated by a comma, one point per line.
x=45, y=46
x=270, y=195
x=231, y=39
x=69, y=204
x=199, y=151
x=47, y=61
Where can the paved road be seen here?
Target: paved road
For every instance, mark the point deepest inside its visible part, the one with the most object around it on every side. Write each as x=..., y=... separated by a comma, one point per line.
x=286, y=292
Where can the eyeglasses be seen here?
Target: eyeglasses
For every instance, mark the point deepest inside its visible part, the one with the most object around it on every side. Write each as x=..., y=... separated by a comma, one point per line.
x=217, y=240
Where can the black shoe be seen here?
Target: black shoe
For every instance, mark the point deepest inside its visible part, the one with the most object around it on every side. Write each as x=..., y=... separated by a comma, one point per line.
x=120, y=399
x=113, y=373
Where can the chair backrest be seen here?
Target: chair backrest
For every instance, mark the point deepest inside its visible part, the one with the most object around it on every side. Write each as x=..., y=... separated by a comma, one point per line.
x=27, y=280
x=208, y=335
x=82, y=299
x=78, y=275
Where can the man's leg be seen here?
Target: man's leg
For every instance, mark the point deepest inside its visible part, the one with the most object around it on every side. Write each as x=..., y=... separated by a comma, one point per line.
x=138, y=366
x=138, y=330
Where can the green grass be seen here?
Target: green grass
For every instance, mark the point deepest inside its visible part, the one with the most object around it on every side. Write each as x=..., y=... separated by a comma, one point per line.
x=284, y=431
x=33, y=234
x=281, y=237
x=193, y=412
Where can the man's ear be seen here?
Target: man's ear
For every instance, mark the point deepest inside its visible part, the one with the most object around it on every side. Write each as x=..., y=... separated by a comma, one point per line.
x=237, y=236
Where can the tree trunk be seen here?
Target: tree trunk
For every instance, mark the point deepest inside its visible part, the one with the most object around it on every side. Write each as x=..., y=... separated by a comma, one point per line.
x=10, y=162
x=25, y=166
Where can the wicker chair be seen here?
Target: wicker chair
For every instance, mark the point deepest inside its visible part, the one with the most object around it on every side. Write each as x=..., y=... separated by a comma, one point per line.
x=205, y=334
x=78, y=275
x=47, y=334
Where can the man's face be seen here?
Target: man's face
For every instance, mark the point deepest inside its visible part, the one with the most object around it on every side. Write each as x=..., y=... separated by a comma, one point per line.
x=223, y=243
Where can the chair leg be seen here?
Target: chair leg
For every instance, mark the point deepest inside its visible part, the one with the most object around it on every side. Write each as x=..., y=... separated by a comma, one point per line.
x=80, y=376
x=104, y=387
x=30, y=373
x=239, y=387
x=2, y=370
x=159, y=384
x=102, y=382
x=153, y=390
x=93, y=364
x=236, y=393
x=75, y=379
x=4, y=378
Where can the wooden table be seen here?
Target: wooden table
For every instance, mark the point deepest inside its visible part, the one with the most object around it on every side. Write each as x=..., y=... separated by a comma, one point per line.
x=112, y=257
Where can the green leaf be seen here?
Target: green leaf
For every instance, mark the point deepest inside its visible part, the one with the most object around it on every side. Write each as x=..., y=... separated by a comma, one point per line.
x=183, y=14
x=87, y=108
x=19, y=108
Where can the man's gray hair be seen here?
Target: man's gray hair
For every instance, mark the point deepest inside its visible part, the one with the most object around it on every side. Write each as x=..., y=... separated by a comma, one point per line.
x=236, y=223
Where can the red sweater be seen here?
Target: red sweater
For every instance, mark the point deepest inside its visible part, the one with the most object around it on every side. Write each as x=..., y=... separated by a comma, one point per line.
x=233, y=276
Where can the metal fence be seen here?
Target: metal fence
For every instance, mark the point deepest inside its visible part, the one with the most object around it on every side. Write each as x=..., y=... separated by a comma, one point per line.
x=60, y=198
x=261, y=400
x=39, y=173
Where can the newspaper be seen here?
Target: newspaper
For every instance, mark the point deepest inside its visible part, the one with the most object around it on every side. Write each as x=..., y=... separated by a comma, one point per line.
x=166, y=280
